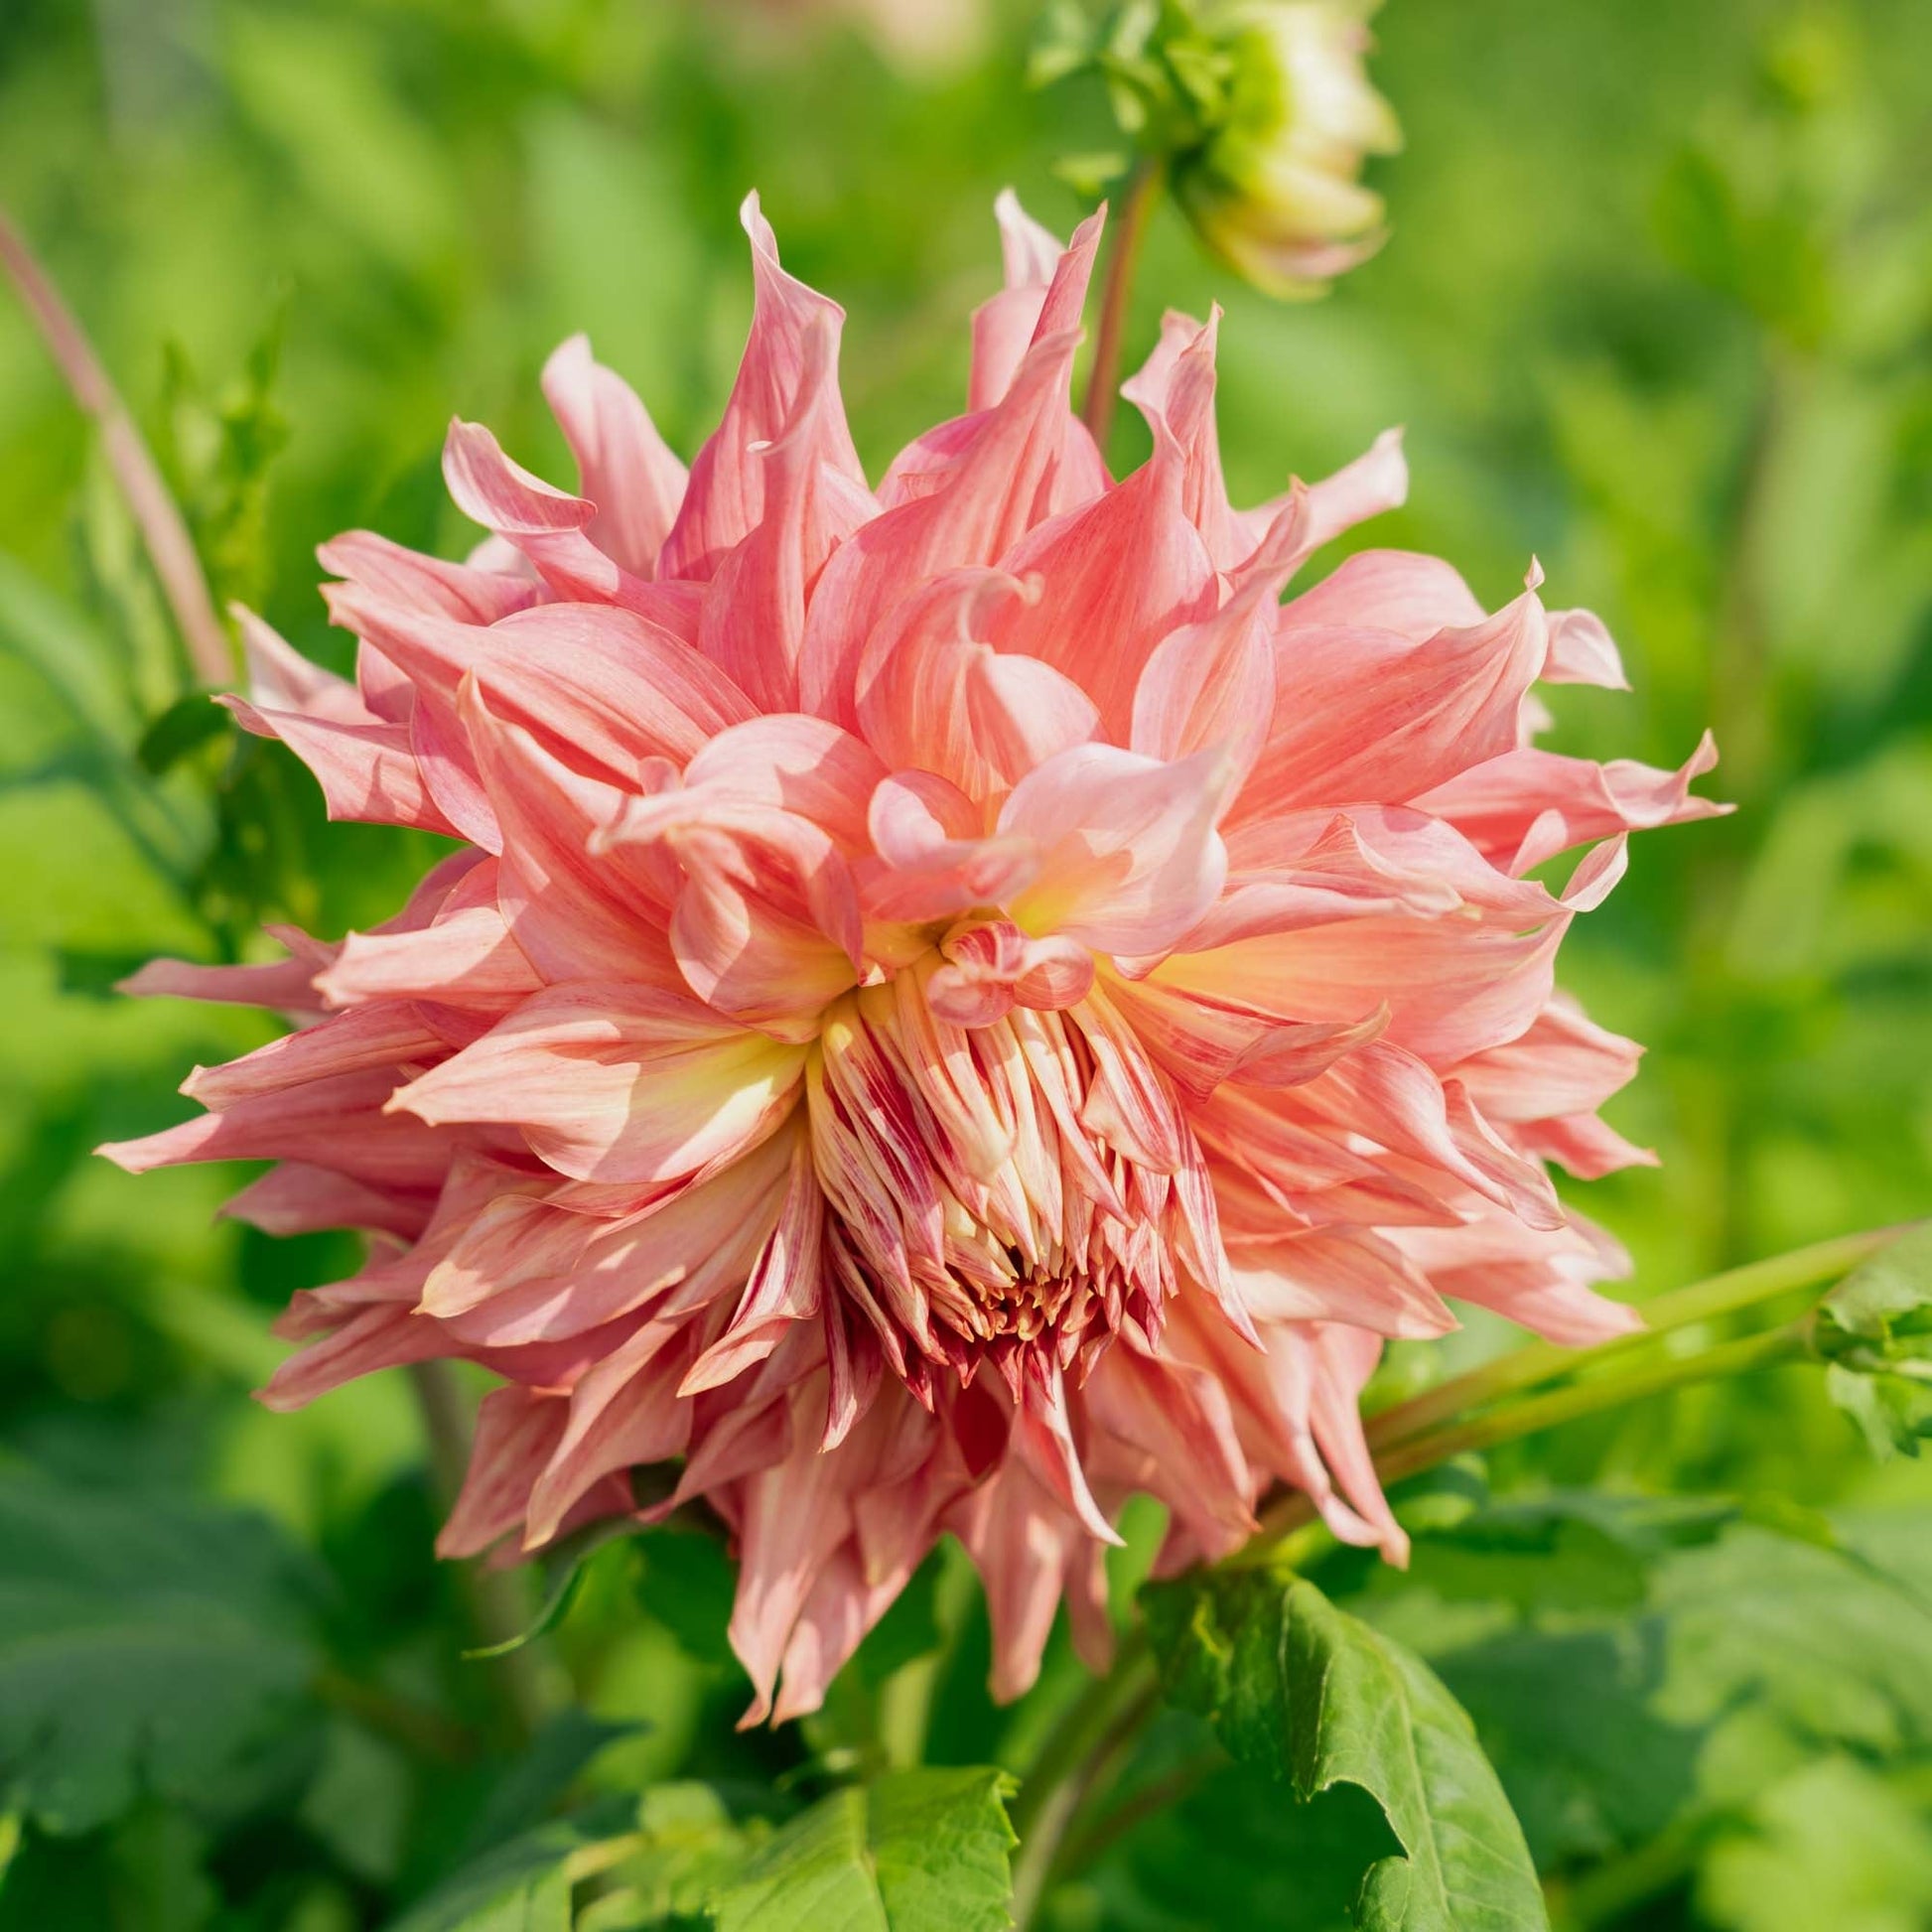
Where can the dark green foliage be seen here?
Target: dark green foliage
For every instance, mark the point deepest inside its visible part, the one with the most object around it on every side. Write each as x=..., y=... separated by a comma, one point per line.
x=147, y=1649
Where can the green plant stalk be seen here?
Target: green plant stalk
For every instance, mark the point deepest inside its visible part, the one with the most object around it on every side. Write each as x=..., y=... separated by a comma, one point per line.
x=1292, y=1512
x=1726, y=1294
x=1123, y=256
x=497, y=1599
x=1105, y=1716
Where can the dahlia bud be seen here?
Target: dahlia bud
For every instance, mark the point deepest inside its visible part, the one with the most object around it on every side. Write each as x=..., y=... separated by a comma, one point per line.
x=1274, y=189
x=1260, y=113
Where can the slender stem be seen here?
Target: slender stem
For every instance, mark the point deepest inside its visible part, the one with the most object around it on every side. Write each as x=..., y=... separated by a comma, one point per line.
x=1100, y=1722
x=497, y=1604
x=1292, y=1512
x=1705, y=1300
x=164, y=533
x=1095, y=1837
x=1123, y=255
x=1540, y=1412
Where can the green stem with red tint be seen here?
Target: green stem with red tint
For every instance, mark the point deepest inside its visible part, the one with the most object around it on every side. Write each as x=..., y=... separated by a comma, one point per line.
x=1123, y=257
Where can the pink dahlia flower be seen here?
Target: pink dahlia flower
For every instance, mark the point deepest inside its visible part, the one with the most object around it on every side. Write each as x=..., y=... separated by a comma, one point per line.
x=950, y=1004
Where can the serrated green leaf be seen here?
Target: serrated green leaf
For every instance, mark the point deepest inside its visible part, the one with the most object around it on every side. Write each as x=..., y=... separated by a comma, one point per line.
x=922, y=1851
x=1874, y=1333
x=1302, y=1689
x=144, y=1646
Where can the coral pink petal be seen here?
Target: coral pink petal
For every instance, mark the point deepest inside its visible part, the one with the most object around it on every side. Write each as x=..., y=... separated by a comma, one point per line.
x=622, y=464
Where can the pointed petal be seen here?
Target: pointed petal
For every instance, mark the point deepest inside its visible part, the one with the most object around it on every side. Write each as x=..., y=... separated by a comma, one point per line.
x=622, y=464
x=726, y=496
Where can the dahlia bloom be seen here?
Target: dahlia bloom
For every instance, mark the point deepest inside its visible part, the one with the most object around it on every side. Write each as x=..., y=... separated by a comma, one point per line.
x=949, y=1003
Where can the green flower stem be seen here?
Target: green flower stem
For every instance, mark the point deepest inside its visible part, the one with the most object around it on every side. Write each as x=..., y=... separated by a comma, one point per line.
x=498, y=1600
x=1293, y=1515
x=1705, y=1300
x=1123, y=255
x=1540, y=1412
x=419, y=1729
x=1105, y=1716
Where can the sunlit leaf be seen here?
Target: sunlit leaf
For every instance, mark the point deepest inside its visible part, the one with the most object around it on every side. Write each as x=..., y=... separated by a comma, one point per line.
x=921, y=1850
x=1297, y=1687
x=1874, y=1330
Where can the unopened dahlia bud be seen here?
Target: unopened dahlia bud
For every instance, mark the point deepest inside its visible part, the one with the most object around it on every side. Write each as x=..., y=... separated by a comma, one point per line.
x=1276, y=188
x=1260, y=113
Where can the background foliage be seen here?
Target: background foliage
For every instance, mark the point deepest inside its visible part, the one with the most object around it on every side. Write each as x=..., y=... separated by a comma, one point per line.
x=1658, y=308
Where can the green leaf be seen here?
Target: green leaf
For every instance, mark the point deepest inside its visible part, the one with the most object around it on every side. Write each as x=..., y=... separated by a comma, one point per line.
x=1835, y=1844
x=1749, y=1654
x=921, y=1850
x=689, y=1847
x=1301, y=1688
x=144, y=1646
x=523, y=1885
x=1874, y=1333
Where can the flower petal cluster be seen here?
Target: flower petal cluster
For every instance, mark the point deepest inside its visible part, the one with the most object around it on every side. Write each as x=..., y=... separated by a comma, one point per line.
x=950, y=1004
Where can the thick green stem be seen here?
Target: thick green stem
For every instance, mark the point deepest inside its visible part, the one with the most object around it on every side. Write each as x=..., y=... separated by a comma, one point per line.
x=1123, y=255
x=498, y=1601
x=1107, y=1713
x=1705, y=1300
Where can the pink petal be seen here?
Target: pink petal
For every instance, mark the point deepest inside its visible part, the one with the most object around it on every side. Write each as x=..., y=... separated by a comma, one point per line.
x=1130, y=857
x=1003, y=328
x=725, y=497
x=755, y=608
x=1387, y=590
x=990, y=969
x=391, y=574
x=1525, y=805
x=929, y=866
x=349, y=1042
x=1349, y=1274
x=1357, y=719
x=1018, y=464
x=616, y=1082
x=1125, y=571
x=622, y=464
x=1582, y=651
x=549, y=526
x=294, y=1198
x=367, y=771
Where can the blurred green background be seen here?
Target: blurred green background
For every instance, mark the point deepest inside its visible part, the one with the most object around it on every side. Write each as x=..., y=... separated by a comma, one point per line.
x=1657, y=309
